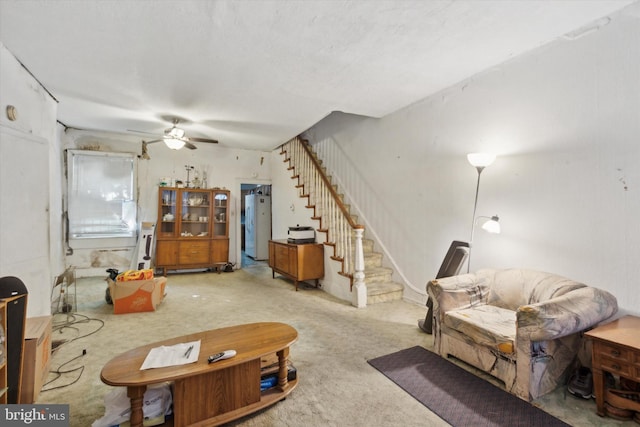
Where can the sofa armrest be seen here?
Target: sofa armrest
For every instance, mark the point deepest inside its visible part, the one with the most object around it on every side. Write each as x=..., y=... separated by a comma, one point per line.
x=572, y=312
x=458, y=292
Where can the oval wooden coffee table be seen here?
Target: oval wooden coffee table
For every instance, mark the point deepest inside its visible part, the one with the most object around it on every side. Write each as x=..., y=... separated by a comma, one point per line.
x=208, y=394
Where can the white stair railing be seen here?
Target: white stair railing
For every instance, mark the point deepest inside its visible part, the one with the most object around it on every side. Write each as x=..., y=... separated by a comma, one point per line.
x=343, y=233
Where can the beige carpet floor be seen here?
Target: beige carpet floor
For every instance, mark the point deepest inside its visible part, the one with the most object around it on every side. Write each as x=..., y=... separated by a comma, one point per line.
x=336, y=386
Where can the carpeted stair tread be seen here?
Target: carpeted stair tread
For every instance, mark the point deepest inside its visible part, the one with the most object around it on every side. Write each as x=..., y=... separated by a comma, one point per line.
x=383, y=287
x=377, y=274
x=378, y=292
x=372, y=259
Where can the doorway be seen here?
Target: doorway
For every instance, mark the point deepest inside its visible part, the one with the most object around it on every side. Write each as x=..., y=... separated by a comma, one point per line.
x=255, y=224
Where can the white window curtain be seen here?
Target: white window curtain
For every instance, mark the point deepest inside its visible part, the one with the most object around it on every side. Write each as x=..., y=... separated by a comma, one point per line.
x=101, y=194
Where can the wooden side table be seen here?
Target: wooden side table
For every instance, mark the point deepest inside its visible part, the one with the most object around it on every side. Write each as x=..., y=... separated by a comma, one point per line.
x=616, y=349
x=298, y=262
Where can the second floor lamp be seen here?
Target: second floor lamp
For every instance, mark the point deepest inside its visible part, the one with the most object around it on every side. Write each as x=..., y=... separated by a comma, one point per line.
x=481, y=161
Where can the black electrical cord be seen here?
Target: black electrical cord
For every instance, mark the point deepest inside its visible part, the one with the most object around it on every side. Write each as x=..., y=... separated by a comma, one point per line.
x=76, y=319
x=59, y=374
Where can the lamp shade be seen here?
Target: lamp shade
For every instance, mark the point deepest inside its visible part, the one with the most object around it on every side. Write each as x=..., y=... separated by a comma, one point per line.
x=481, y=159
x=492, y=226
x=174, y=144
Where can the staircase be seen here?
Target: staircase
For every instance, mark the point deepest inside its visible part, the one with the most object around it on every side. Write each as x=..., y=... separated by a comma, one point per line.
x=347, y=236
x=380, y=287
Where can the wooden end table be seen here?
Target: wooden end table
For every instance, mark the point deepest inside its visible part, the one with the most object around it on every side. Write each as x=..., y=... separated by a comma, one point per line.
x=210, y=393
x=298, y=262
x=616, y=349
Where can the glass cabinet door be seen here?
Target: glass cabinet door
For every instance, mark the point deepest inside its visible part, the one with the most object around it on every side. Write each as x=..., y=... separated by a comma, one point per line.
x=195, y=211
x=169, y=213
x=220, y=214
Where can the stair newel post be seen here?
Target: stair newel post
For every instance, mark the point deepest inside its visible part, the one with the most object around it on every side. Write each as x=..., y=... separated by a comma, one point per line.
x=360, y=288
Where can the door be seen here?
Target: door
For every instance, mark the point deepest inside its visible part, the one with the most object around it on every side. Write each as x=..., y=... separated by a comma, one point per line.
x=24, y=212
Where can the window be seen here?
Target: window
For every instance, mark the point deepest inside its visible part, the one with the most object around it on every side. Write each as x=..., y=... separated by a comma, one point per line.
x=101, y=194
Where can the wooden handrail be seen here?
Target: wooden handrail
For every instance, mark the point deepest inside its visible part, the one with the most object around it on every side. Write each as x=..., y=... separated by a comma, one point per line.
x=347, y=247
x=333, y=192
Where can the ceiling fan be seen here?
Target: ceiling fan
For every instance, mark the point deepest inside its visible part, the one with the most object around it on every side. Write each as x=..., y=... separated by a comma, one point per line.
x=174, y=137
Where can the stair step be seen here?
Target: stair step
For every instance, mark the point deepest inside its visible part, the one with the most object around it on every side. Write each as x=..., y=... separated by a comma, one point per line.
x=383, y=291
x=367, y=245
x=372, y=259
x=377, y=275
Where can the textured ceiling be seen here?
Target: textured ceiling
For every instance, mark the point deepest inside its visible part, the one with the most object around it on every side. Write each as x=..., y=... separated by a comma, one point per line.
x=253, y=74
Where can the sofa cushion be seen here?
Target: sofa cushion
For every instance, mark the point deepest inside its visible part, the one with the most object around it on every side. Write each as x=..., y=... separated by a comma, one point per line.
x=487, y=325
x=515, y=287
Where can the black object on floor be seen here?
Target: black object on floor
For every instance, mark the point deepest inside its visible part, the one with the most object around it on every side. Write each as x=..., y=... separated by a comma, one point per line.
x=15, y=291
x=457, y=396
x=456, y=256
x=581, y=383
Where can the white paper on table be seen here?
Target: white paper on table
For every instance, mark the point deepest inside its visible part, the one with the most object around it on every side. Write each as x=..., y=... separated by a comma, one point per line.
x=173, y=355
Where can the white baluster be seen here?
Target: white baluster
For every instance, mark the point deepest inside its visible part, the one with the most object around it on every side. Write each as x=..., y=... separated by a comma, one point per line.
x=360, y=288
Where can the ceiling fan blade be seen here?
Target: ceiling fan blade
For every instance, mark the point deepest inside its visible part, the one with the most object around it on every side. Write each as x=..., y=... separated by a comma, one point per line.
x=212, y=141
x=155, y=140
x=141, y=131
x=190, y=146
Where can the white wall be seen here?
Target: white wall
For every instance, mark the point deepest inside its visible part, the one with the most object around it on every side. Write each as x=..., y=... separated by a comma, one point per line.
x=563, y=119
x=26, y=202
x=289, y=209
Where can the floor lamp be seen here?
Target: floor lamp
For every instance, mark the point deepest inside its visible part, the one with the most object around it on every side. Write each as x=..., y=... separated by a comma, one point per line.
x=481, y=161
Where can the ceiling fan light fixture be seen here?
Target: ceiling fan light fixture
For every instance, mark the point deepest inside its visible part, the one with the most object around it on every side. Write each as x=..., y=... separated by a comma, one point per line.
x=174, y=132
x=174, y=144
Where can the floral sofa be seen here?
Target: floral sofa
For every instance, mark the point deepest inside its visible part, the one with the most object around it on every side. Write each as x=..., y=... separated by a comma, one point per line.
x=520, y=326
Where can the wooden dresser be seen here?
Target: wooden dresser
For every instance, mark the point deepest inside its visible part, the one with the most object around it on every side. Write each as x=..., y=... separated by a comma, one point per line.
x=297, y=262
x=616, y=349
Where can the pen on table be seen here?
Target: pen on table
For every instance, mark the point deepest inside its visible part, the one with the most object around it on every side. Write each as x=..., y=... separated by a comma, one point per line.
x=188, y=352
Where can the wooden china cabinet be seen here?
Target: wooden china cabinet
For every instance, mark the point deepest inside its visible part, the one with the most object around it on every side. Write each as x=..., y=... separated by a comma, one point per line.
x=193, y=228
